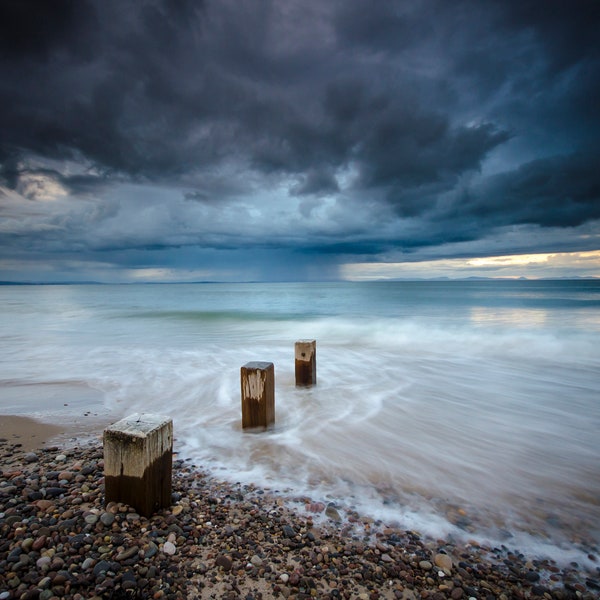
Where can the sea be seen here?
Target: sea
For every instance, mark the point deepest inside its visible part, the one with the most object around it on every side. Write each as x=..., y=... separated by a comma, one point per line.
x=467, y=410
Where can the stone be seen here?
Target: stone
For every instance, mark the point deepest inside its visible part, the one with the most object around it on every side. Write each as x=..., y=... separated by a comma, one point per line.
x=39, y=543
x=54, y=492
x=43, y=563
x=256, y=561
x=425, y=565
x=332, y=513
x=30, y=457
x=101, y=567
x=443, y=561
x=126, y=554
x=169, y=548
x=150, y=550
x=288, y=531
x=107, y=519
x=224, y=562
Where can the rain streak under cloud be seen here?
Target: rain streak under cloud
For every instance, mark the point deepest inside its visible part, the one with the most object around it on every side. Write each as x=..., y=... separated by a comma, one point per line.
x=305, y=140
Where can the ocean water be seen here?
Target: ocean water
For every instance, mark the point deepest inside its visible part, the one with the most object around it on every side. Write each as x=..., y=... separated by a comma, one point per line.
x=463, y=409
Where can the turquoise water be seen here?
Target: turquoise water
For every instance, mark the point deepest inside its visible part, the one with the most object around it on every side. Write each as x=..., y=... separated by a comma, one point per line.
x=468, y=409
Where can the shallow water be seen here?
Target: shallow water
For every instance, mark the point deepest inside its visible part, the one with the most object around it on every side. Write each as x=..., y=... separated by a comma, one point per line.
x=454, y=408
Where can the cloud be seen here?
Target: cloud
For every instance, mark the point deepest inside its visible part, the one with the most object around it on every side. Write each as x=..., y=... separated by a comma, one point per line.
x=558, y=191
x=317, y=129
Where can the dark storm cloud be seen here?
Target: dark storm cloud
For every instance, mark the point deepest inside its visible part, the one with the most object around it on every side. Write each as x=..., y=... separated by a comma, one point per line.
x=552, y=192
x=390, y=108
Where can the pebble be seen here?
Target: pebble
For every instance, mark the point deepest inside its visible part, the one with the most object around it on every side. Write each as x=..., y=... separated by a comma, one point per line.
x=224, y=562
x=332, y=512
x=30, y=457
x=256, y=561
x=127, y=554
x=231, y=541
x=107, y=519
x=443, y=561
x=169, y=548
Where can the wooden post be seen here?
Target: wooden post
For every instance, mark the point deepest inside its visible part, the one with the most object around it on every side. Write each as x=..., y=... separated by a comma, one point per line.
x=138, y=462
x=258, y=394
x=306, y=362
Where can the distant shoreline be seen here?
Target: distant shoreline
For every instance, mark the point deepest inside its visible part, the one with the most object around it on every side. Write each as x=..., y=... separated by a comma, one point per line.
x=382, y=280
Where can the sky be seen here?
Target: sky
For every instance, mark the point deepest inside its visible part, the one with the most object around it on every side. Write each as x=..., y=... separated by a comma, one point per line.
x=298, y=140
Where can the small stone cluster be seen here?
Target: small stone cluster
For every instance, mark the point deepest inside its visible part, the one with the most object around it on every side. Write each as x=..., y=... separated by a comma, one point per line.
x=58, y=540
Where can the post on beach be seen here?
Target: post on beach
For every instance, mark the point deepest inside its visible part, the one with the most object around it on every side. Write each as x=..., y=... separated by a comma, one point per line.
x=306, y=363
x=138, y=462
x=258, y=394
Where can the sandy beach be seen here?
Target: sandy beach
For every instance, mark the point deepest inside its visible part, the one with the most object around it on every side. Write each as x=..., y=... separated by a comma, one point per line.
x=217, y=540
x=26, y=432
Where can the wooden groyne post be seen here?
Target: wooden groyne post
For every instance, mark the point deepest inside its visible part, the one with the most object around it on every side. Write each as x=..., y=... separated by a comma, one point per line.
x=138, y=462
x=258, y=394
x=306, y=362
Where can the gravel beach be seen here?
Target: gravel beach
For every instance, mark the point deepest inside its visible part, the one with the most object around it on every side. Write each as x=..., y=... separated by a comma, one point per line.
x=218, y=540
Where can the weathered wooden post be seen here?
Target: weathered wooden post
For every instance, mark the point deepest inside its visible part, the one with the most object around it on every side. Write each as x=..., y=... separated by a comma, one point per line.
x=258, y=394
x=306, y=362
x=138, y=462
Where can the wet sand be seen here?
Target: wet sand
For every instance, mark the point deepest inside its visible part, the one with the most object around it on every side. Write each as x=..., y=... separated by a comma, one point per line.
x=28, y=432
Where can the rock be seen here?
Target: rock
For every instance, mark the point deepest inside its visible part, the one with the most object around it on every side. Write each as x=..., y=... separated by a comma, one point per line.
x=60, y=458
x=443, y=561
x=128, y=581
x=30, y=457
x=288, y=531
x=54, y=492
x=284, y=577
x=169, y=548
x=26, y=544
x=126, y=554
x=101, y=567
x=150, y=550
x=532, y=577
x=224, y=562
x=43, y=563
x=256, y=561
x=107, y=519
x=425, y=565
x=39, y=543
x=332, y=513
